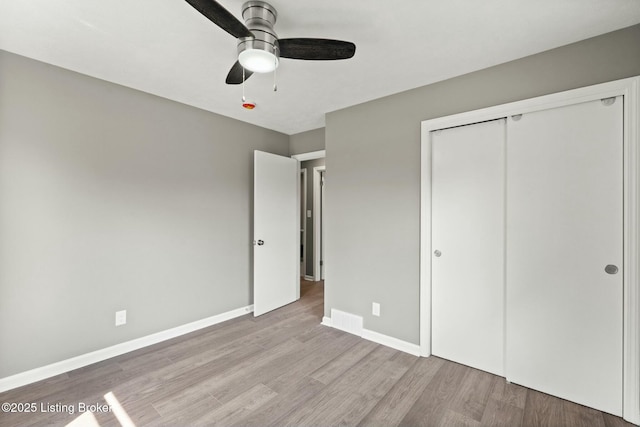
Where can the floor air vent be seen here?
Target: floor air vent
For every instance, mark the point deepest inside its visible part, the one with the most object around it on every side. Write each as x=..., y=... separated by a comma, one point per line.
x=346, y=322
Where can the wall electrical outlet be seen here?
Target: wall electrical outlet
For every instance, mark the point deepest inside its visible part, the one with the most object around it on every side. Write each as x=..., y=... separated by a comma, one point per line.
x=121, y=317
x=375, y=309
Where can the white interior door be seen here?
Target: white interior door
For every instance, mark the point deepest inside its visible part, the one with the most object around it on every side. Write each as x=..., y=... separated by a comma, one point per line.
x=276, y=225
x=467, y=245
x=564, y=226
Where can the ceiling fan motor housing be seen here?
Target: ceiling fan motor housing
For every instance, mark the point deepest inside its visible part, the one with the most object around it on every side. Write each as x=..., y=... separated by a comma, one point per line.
x=259, y=17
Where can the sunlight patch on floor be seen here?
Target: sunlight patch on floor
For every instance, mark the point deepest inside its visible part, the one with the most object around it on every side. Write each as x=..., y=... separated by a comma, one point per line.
x=87, y=419
x=118, y=410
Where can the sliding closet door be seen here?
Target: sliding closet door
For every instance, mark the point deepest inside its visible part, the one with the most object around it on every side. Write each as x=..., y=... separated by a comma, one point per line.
x=564, y=252
x=467, y=245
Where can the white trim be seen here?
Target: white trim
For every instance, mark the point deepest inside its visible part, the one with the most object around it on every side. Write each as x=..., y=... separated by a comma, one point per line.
x=379, y=338
x=57, y=368
x=312, y=155
x=323, y=228
x=317, y=215
x=425, y=243
x=631, y=280
x=309, y=278
x=391, y=342
x=629, y=88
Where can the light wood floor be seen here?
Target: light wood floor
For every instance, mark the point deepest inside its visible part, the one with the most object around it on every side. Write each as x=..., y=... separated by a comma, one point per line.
x=285, y=369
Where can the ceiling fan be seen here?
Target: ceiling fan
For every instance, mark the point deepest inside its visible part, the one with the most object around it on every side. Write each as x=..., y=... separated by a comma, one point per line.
x=259, y=48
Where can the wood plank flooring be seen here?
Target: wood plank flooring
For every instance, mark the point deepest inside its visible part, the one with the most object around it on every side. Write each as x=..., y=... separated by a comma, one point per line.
x=285, y=369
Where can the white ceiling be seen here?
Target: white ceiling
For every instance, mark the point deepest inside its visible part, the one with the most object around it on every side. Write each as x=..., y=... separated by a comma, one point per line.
x=166, y=48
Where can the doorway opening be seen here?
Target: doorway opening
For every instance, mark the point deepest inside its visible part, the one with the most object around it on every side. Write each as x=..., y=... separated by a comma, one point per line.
x=312, y=166
x=303, y=222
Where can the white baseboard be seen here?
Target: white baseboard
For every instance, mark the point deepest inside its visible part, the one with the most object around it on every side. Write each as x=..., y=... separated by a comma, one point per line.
x=309, y=278
x=57, y=368
x=392, y=342
x=395, y=343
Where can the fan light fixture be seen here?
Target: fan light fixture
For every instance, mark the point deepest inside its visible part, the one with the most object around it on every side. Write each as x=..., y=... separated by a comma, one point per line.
x=258, y=60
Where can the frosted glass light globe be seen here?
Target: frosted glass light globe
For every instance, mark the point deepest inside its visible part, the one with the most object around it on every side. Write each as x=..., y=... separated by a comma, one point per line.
x=258, y=60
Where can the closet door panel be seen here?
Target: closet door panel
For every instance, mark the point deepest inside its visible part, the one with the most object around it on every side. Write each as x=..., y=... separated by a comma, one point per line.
x=564, y=226
x=468, y=233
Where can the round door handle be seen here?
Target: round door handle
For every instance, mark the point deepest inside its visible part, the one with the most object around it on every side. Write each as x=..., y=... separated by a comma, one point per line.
x=611, y=269
x=437, y=253
x=260, y=242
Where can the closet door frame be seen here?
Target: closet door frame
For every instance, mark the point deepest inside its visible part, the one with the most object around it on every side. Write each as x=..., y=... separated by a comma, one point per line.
x=628, y=88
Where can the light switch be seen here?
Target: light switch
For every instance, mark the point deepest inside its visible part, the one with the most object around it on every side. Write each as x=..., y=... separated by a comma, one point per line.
x=375, y=309
x=309, y=213
x=121, y=317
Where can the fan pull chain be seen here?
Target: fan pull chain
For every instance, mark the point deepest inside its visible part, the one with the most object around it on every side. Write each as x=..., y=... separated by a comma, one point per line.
x=246, y=104
x=243, y=97
x=275, y=81
x=275, y=74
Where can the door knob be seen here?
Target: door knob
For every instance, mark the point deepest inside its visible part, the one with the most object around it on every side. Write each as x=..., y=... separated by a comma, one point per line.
x=260, y=242
x=611, y=269
x=437, y=253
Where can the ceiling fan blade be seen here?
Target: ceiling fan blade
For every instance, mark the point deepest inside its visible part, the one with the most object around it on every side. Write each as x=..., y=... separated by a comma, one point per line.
x=316, y=49
x=221, y=17
x=235, y=74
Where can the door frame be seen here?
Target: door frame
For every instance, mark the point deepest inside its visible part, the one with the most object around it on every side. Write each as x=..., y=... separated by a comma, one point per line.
x=303, y=222
x=318, y=223
x=628, y=88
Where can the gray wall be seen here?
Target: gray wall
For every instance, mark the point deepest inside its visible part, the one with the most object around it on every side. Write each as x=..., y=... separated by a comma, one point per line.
x=114, y=199
x=306, y=142
x=309, y=165
x=373, y=153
